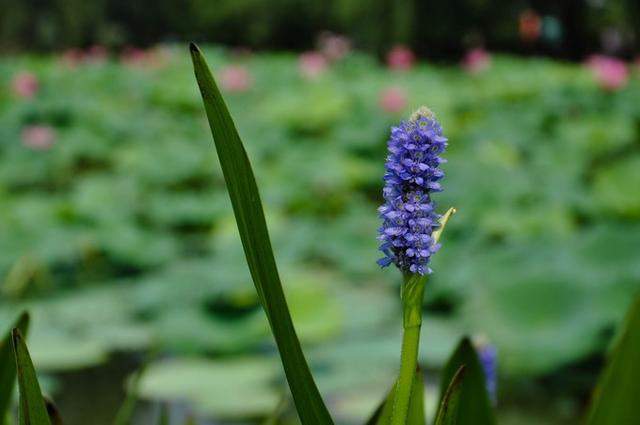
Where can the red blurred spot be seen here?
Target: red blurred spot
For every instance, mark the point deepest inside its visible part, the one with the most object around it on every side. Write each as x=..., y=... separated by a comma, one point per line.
x=530, y=25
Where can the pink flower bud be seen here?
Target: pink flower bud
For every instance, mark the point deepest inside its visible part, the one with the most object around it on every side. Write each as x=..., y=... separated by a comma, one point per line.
x=72, y=57
x=96, y=54
x=133, y=56
x=393, y=100
x=611, y=73
x=400, y=58
x=476, y=61
x=312, y=64
x=25, y=85
x=38, y=137
x=235, y=79
x=333, y=46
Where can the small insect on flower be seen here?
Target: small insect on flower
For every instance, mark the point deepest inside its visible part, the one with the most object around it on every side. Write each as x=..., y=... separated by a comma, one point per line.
x=412, y=176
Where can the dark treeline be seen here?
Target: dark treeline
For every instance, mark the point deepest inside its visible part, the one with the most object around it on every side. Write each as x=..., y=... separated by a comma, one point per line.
x=437, y=29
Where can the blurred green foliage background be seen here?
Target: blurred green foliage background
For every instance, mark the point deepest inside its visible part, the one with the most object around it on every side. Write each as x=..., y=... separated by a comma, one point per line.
x=117, y=233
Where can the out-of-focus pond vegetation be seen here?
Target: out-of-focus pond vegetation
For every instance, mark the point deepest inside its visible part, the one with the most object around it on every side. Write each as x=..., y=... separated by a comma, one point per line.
x=117, y=233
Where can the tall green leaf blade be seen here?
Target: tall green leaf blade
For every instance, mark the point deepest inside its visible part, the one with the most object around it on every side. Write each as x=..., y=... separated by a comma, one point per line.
x=416, y=415
x=33, y=410
x=247, y=208
x=474, y=407
x=616, y=398
x=8, y=366
x=448, y=410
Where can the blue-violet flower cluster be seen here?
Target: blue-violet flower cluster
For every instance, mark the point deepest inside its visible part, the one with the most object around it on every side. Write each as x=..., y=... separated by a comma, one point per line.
x=412, y=175
x=488, y=356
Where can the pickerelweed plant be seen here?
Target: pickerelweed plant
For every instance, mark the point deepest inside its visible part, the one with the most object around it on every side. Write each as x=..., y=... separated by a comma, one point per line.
x=409, y=236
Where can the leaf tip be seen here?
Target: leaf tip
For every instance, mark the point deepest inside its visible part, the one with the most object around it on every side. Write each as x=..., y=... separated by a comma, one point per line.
x=193, y=47
x=16, y=340
x=16, y=335
x=24, y=318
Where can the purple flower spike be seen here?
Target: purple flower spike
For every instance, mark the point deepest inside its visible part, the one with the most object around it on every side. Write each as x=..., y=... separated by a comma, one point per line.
x=412, y=175
x=488, y=356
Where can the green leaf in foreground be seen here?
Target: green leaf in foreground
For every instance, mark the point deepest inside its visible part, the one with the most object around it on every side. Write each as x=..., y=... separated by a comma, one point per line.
x=247, y=208
x=8, y=366
x=474, y=407
x=617, y=397
x=448, y=410
x=416, y=413
x=33, y=410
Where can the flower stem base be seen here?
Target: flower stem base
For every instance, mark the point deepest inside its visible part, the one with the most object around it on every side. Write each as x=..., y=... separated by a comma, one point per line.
x=412, y=293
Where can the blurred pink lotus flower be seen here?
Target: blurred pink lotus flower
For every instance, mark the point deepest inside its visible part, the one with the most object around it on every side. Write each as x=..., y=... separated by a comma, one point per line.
x=133, y=56
x=38, y=137
x=96, y=54
x=312, y=64
x=400, y=58
x=334, y=46
x=150, y=58
x=611, y=73
x=476, y=61
x=72, y=57
x=235, y=79
x=529, y=25
x=393, y=100
x=25, y=85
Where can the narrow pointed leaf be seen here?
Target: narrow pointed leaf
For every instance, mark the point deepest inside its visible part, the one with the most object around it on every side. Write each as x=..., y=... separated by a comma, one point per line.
x=617, y=396
x=8, y=366
x=416, y=415
x=33, y=410
x=448, y=410
x=247, y=208
x=474, y=407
